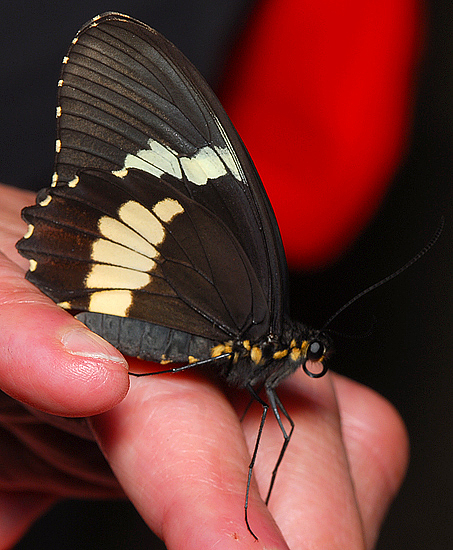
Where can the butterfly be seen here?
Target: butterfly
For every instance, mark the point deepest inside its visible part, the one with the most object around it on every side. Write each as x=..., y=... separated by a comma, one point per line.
x=157, y=229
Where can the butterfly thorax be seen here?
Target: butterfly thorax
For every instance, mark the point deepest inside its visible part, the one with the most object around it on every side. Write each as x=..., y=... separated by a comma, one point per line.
x=270, y=359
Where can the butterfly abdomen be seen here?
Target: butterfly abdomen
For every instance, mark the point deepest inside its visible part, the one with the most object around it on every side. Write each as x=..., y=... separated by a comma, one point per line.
x=146, y=340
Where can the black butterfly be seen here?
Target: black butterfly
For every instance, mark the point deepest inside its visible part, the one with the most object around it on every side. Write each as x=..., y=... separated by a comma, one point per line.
x=157, y=226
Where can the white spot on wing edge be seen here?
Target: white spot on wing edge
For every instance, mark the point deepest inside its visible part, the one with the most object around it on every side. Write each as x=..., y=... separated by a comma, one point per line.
x=54, y=180
x=29, y=232
x=57, y=146
x=45, y=201
x=120, y=173
x=33, y=264
x=73, y=182
x=58, y=112
x=65, y=59
x=60, y=83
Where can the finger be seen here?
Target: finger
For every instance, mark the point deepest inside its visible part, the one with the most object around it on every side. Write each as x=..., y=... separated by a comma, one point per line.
x=313, y=499
x=12, y=227
x=378, y=450
x=177, y=448
x=18, y=511
x=49, y=359
x=44, y=460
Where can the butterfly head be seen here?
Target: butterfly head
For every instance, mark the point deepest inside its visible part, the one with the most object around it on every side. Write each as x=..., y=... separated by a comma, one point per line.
x=314, y=362
x=310, y=350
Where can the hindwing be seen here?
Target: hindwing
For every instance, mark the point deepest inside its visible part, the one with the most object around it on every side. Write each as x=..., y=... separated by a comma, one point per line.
x=147, y=252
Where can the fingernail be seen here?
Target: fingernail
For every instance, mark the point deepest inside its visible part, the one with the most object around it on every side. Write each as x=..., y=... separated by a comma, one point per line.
x=84, y=343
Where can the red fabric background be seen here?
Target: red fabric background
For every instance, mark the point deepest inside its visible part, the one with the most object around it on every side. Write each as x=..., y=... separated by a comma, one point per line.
x=321, y=93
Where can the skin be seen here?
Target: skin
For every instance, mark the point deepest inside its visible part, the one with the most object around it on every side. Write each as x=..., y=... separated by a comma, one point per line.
x=174, y=443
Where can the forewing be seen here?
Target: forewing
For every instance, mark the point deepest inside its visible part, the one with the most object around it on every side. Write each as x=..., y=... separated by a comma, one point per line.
x=129, y=99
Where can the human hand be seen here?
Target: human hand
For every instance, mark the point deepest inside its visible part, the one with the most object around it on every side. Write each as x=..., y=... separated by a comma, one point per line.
x=45, y=457
x=175, y=442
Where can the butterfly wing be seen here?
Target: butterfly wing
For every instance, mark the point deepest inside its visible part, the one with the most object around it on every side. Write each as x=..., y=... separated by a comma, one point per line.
x=129, y=101
x=147, y=252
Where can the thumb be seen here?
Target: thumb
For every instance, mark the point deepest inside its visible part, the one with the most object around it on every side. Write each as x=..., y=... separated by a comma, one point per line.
x=49, y=359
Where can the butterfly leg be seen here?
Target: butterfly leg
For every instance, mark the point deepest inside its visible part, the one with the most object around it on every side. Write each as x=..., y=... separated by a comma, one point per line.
x=202, y=362
x=276, y=404
x=265, y=406
x=250, y=403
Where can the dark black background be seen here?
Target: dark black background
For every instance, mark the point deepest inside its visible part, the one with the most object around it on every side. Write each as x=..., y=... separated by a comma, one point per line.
x=409, y=356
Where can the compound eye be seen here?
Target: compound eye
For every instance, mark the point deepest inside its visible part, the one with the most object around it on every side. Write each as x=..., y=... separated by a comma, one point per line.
x=315, y=350
x=313, y=365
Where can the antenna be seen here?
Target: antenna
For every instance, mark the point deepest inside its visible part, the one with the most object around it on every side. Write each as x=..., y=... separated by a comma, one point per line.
x=412, y=261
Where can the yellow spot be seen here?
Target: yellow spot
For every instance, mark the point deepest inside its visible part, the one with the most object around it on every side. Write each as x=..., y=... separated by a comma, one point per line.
x=29, y=232
x=246, y=344
x=304, y=347
x=164, y=360
x=60, y=83
x=221, y=349
x=217, y=350
x=280, y=354
x=45, y=201
x=192, y=359
x=65, y=59
x=65, y=305
x=167, y=209
x=58, y=112
x=236, y=357
x=120, y=173
x=115, y=302
x=295, y=354
x=74, y=182
x=256, y=354
x=293, y=343
x=116, y=231
x=57, y=145
x=115, y=277
x=142, y=221
x=54, y=179
x=75, y=40
x=108, y=252
x=33, y=264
